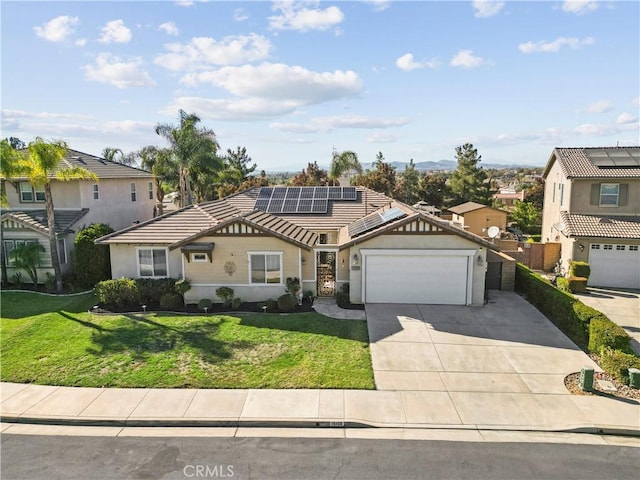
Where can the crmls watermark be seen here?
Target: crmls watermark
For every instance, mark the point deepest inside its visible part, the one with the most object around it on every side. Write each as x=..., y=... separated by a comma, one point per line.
x=208, y=471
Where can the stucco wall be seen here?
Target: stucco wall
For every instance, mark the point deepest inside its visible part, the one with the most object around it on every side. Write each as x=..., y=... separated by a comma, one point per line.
x=581, y=198
x=551, y=206
x=480, y=220
x=124, y=261
x=444, y=242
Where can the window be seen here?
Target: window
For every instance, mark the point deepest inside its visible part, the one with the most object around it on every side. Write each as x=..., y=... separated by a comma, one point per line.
x=607, y=247
x=9, y=245
x=633, y=248
x=62, y=251
x=595, y=247
x=323, y=239
x=152, y=262
x=554, y=192
x=30, y=194
x=620, y=248
x=96, y=192
x=265, y=268
x=133, y=192
x=150, y=190
x=609, y=194
x=561, y=194
x=199, y=257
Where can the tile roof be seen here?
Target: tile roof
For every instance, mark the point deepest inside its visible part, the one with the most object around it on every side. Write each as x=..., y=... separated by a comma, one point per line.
x=101, y=167
x=579, y=225
x=468, y=207
x=37, y=219
x=575, y=163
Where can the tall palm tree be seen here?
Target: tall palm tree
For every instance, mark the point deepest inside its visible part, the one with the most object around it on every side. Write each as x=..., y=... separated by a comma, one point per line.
x=42, y=164
x=194, y=151
x=342, y=163
x=158, y=162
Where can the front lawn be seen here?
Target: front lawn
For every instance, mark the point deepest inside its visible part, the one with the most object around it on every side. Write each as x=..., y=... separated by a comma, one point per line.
x=55, y=341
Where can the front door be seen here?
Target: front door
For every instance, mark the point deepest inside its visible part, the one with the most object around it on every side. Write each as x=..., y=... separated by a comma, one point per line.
x=326, y=274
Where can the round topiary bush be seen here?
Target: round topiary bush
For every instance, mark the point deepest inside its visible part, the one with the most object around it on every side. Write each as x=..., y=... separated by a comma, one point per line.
x=204, y=303
x=171, y=301
x=235, y=303
x=286, y=303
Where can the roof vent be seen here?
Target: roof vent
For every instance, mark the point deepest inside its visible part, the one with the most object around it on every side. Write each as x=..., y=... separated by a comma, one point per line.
x=605, y=220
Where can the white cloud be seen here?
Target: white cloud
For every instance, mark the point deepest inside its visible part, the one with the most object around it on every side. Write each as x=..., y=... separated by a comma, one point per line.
x=486, y=8
x=115, y=31
x=626, y=118
x=383, y=137
x=81, y=42
x=202, y=52
x=240, y=15
x=636, y=102
x=466, y=59
x=327, y=124
x=379, y=5
x=231, y=109
x=169, y=28
x=111, y=69
x=280, y=82
x=57, y=29
x=406, y=62
x=22, y=114
x=554, y=46
x=579, y=7
x=600, y=106
x=297, y=16
x=185, y=3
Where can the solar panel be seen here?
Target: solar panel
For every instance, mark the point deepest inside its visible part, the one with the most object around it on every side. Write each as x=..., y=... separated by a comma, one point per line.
x=275, y=206
x=293, y=192
x=320, y=206
x=290, y=206
x=305, y=205
x=374, y=220
x=349, y=193
x=321, y=193
x=301, y=199
x=335, y=193
x=307, y=192
x=261, y=204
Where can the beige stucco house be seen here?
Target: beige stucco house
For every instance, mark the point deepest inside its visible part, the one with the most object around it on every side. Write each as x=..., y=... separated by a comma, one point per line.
x=477, y=218
x=592, y=207
x=325, y=236
x=121, y=196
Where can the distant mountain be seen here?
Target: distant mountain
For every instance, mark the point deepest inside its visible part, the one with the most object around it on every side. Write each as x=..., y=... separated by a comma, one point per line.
x=444, y=165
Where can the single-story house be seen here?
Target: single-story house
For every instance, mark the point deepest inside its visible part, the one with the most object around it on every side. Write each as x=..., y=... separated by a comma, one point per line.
x=254, y=240
x=477, y=218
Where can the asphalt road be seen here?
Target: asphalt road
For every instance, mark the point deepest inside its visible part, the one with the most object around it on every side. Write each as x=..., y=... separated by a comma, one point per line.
x=68, y=458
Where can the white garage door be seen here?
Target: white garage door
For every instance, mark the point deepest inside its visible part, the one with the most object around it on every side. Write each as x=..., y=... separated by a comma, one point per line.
x=428, y=277
x=614, y=265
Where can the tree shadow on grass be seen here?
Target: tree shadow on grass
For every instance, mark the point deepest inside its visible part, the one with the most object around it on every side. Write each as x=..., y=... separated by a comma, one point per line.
x=142, y=337
x=345, y=329
x=84, y=323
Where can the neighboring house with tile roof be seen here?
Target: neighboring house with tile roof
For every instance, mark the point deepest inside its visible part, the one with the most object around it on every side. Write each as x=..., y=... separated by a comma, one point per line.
x=122, y=195
x=592, y=207
x=477, y=218
x=254, y=240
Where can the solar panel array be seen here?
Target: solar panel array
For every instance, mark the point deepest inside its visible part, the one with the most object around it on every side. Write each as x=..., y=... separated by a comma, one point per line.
x=301, y=199
x=619, y=158
x=374, y=220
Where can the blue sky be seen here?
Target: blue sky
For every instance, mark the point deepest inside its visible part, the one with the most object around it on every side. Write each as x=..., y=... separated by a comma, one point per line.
x=291, y=81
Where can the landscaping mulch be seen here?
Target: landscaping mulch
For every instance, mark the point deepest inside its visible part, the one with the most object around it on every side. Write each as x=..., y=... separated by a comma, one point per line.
x=572, y=382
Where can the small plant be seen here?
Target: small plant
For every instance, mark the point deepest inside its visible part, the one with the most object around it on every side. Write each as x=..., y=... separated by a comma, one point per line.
x=50, y=282
x=17, y=279
x=171, y=301
x=293, y=286
x=236, y=302
x=225, y=294
x=182, y=286
x=204, y=304
x=308, y=297
x=286, y=303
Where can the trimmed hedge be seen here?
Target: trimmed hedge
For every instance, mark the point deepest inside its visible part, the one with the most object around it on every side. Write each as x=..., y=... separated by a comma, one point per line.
x=579, y=269
x=577, y=284
x=128, y=292
x=562, y=283
x=556, y=305
x=604, y=333
x=618, y=363
x=286, y=303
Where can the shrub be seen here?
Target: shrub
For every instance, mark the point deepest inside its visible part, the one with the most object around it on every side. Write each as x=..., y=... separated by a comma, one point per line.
x=562, y=283
x=171, y=301
x=226, y=295
x=152, y=289
x=293, y=286
x=617, y=363
x=50, y=282
x=204, y=303
x=182, y=286
x=272, y=305
x=579, y=269
x=118, y=293
x=536, y=238
x=91, y=262
x=604, y=333
x=286, y=303
x=577, y=284
x=235, y=303
x=308, y=297
x=17, y=279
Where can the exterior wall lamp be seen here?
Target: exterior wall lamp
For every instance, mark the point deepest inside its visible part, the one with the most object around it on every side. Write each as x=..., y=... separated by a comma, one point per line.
x=355, y=259
x=581, y=247
x=479, y=260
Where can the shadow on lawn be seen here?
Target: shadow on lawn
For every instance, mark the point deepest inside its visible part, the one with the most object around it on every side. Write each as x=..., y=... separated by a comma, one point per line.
x=346, y=329
x=142, y=337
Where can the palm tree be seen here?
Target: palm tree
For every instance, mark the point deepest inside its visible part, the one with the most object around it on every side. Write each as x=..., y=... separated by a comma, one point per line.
x=27, y=257
x=157, y=161
x=342, y=163
x=194, y=151
x=40, y=166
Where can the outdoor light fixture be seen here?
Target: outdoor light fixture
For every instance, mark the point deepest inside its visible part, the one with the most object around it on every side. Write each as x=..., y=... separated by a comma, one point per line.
x=479, y=260
x=303, y=260
x=581, y=247
x=356, y=260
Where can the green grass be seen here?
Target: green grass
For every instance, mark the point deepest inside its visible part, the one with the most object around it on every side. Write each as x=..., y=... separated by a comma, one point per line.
x=55, y=341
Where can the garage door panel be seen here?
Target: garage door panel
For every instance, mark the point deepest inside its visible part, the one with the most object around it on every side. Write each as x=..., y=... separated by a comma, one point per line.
x=614, y=268
x=416, y=279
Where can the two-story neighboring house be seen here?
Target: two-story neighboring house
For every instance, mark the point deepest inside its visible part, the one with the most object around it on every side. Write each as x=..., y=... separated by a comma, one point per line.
x=477, y=218
x=122, y=195
x=592, y=207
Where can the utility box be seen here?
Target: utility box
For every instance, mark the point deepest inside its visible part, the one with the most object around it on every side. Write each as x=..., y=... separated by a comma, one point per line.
x=586, y=379
x=634, y=378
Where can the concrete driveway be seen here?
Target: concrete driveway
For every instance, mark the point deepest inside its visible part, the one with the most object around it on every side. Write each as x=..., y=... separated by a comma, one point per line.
x=621, y=306
x=506, y=346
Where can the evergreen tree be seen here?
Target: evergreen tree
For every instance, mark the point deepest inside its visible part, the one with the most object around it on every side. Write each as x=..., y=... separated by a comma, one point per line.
x=467, y=181
x=382, y=179
x=408, y=185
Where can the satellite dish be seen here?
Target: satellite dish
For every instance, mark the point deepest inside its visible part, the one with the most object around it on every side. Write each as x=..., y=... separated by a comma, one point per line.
x=493, y=232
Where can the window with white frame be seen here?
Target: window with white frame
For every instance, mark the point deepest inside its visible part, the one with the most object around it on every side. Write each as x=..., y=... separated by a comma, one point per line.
x=609, y=194
x=562, y=194
x=152, y=262
x=96, y=192
x=199, y=257
x=62, y=251
x=265, y=267
x=9, y=246
x=133, y=192
x=150, y=190
x=29, y=194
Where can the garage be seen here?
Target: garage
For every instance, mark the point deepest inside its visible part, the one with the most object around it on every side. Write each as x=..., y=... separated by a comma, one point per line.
x=614, y=265
x=417, y=276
